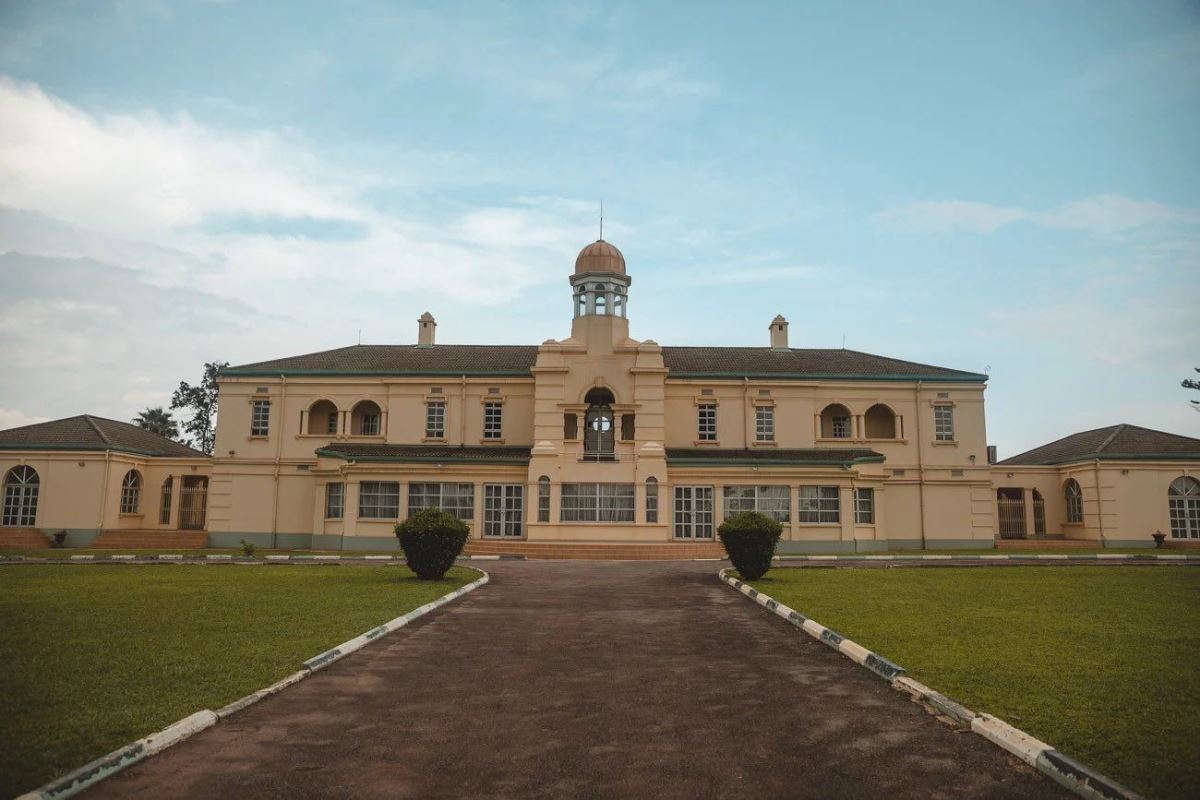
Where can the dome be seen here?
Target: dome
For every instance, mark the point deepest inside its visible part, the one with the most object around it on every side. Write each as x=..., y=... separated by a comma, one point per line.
x=600, y=256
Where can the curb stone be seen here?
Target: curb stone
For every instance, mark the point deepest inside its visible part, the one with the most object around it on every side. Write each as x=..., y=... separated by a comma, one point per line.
x=108, y=765
x=1064, y=770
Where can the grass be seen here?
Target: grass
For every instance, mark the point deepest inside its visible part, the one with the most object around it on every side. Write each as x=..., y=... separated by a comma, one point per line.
x=1103, y=663
x=1008, y=551
x=95, y=657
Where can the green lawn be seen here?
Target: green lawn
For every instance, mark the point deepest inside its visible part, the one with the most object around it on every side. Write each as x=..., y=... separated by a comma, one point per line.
x=1103, y=663
x=67, y=552
x=97, y=656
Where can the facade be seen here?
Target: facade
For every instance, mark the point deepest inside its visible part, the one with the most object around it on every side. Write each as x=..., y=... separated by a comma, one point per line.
x=1114, y=486
x=594, y=438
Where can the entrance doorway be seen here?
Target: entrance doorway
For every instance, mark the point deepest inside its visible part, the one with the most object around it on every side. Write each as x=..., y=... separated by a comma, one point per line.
x=599, y=437
x=193, y=502
x=1010, y=506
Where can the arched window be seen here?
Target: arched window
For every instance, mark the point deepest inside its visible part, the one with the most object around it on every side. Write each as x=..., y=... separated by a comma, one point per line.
x=1074, y=497
x=652, y=500
x=1039, y=514
x=131, y=492
x=580, y=302
x=20, y=497
x=164, y=502
x=364, y=419
x=599, y=438
x=543, y=499
x=322, y=418
x=601, y=299
x=835, y=422
x=880, y=422
x=1183, y=503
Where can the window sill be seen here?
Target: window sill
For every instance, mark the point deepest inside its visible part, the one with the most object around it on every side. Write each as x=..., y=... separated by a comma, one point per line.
x=946, y=443
x=433, y=440
x=889, y=441
x=137, y=514
x=256, y=437
x=379, y=519
x=765, y=443
x=491, y=441
x=707, y=443
x=831, y=439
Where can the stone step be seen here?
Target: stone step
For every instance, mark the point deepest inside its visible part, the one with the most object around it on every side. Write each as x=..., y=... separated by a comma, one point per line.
x=616, y=551
x=1046, y=544
x=149, y=540
x=23, y=539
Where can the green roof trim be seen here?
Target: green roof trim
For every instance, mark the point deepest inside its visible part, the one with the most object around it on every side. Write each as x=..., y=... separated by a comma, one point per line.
x=91, y=448
x=964, y=377
x=1113, y=457
x=233, y=372
x=503, y=460
x=770, y=462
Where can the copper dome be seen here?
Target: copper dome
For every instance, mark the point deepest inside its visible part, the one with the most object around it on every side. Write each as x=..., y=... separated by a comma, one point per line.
x=600, y=256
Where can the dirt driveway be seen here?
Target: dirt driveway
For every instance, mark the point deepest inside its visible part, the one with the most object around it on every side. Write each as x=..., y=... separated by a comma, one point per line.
x=588, y=679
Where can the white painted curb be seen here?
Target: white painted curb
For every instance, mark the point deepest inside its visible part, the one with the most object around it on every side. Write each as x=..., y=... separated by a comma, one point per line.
x=1079, y=778
x=77, y=780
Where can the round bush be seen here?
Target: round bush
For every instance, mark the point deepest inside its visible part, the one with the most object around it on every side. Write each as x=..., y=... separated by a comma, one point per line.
x=750, y=538
x=431, y=539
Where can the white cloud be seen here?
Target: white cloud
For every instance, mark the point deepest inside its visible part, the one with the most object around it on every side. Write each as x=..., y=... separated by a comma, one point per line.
x=1105, y=214
x=12, y=418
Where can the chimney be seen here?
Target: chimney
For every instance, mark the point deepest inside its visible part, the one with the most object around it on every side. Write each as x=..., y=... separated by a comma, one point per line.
x=991, y=453
x=779, y=333
x=426, y=329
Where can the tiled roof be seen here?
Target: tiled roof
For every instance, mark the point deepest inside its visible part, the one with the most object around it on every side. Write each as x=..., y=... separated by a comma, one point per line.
x=781, y=457
x=422, y=453
x=696, y=362
x=87, y=432
x=1114, y=443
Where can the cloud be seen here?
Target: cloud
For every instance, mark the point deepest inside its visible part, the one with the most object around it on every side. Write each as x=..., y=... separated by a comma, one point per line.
x=1104, y=214
x=12, y=418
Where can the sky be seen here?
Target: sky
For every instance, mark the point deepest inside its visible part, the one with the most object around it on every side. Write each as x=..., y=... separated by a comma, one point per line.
x=1010, y=188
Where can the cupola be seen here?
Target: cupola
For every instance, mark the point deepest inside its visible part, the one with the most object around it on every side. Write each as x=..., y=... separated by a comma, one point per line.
x=599, y=283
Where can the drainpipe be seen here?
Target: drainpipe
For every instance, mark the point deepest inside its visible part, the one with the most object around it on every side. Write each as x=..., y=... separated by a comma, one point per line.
x=746, y=411
x=920, y=465
x=1099, y=501
x=278, y=453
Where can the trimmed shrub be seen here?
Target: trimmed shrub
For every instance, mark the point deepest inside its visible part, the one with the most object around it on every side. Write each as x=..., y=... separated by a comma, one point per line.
x=247, y=548
x=431, y=539
x=750, y=538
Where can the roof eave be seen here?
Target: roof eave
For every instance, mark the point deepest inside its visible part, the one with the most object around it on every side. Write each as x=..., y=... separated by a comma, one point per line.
x=97, y=448
x=965, y=377
x=761, y=462
x=439, y=373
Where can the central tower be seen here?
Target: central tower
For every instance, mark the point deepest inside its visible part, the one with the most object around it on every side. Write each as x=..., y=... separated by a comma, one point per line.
x=600, y=295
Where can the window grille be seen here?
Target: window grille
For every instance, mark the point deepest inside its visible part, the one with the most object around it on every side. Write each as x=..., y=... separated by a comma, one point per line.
x=20, y=497
x=597, y=502
x=693, y=512
x=819, y=504
x=764, y=424
x=503, y=509
x=164, y=502
x=493, y=418
x=435, y=419
x=543, y=499
x=335, y=500
x=864, y=506
x=943, y=423
x=1183, y=505
x=652, y=500
x=455, y=498
x=706, y=422
x=378, y=500
x=131, y=492
x=1074, y=497
x=260, y=418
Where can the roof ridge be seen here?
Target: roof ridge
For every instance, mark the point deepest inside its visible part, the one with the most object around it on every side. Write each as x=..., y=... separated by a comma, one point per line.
x=103, y=437
x=1116, y=430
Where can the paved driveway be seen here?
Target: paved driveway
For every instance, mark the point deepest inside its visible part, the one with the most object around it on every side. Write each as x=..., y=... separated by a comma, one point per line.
x=588, y=679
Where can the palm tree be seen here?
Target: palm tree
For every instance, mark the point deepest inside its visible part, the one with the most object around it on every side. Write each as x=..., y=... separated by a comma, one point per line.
x=157, y=420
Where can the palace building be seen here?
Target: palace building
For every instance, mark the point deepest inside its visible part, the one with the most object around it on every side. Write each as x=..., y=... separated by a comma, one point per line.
x=594, y=440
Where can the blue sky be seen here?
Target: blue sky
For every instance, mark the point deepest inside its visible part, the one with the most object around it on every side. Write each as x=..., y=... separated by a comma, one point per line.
x=1013, y=186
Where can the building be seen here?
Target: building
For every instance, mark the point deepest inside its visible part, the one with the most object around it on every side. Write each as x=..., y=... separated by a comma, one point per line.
x=597, y=438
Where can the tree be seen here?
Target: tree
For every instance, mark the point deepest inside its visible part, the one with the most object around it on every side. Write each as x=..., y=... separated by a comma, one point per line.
x=201, y=402
x=1188, y=383
x=157, y=420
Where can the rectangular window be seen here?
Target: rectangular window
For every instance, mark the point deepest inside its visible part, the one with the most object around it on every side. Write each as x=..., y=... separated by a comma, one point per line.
x=455, y=498
x=335, y=500
x=370, y=424
x=260, y=417
x=764, y=423
x=597, y=502
x=627, y=427
x=693, y=512
x=543, y=500
x=20, y=504
x=493, y=420
x=864, y=506
x=652, y=501
x=706, y=422
x=164, y=503
x=378, y=500
x=435, y=419
x=943, y=423
x=503, y=509
x=773, y=501
x=819, y=504
x=331, y=424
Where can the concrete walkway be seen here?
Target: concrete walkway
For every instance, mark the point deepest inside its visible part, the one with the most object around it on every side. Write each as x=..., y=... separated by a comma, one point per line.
x=588, y=679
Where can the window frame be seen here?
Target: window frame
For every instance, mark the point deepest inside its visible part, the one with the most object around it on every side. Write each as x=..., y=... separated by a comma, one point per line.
x=651, y=500
x=943, y=422
x=690, y=520
x=131, y=492
x=380, y=493
x=1183, y=508
x=764, y=424
x=586, y=504
x=737, y=498
x=335, y=498
x=543, y=508
x=507, y=521
x=824, y=505
x=435, y=419
x=706, y=422
x=864, y=505
x=459, y=501
x=1073, y=495
x=493, y=420
x=260, y=417
x=22, y=485
x=165, y=493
